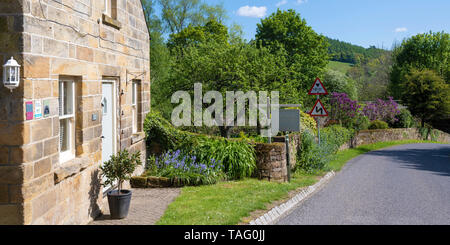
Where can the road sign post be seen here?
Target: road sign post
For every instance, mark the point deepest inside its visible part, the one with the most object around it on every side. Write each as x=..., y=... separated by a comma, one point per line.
x=318, y=110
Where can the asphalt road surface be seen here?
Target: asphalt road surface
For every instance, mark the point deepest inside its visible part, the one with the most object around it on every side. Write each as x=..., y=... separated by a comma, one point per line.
x=401, y=185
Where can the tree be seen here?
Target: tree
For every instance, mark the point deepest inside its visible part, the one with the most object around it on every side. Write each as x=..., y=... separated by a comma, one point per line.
x=286, y=29
x=159, y=59
x=372, y=77
x=179, y=14
x=423, y=51
x=306, y=51
x=338, y=82
x=426, y=94
x=233, y=66
x=192, y=35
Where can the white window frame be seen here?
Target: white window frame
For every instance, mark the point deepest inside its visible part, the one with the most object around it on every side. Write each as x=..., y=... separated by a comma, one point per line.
x=134, y=105
x=109, y=8
x=69, y=154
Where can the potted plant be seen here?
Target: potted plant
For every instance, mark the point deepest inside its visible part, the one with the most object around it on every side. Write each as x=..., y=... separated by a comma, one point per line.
x=118, y=169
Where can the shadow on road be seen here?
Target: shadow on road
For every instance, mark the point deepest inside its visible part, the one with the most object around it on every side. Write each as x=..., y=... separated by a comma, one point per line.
x=436, y=159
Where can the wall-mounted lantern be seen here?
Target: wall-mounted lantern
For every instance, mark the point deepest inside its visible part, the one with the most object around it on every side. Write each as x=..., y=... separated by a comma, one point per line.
x=11, y=74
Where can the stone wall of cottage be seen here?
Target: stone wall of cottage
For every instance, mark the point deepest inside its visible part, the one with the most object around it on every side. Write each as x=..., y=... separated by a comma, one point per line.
x=53, y=40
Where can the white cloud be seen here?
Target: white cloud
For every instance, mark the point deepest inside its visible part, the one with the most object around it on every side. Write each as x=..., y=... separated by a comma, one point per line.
x=401, y=29
x=301, y=1
x=281, y=3
x=253, y=11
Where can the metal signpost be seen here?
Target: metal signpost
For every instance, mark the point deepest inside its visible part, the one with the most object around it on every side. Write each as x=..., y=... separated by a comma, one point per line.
x=289, y=122
x=318, y=110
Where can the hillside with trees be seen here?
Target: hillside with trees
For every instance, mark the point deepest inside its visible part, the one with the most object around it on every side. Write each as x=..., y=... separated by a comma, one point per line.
x=350, y=53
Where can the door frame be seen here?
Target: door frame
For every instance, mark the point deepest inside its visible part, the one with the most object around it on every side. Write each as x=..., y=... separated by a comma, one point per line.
x=113, y=82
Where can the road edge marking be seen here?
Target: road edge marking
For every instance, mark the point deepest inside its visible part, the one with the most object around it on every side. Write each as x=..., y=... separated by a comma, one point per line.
x=273, y=215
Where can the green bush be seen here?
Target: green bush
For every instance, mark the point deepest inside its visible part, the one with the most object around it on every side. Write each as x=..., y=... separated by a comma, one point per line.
x=404, y=120
x=120, y=167
x=377, y=124
x=312, y=156
x=428, y=133
x=236, y=156
x=308, y=122
x=336, y=136
x=161, y=131
x=359, y=122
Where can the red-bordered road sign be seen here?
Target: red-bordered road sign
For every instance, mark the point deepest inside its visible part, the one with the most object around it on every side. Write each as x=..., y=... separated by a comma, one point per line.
x=318, y=110
x=318, y=88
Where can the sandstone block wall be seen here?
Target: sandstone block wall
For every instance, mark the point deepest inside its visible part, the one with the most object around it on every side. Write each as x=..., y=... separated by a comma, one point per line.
x=53, y=40
x=365, y=137
x=271, y=162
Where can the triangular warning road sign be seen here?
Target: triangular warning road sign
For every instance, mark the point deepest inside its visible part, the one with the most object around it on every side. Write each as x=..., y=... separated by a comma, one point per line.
x=318, y=88
x=318, y=110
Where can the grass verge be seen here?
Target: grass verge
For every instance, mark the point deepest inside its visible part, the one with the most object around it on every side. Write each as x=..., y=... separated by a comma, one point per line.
x=226, y=203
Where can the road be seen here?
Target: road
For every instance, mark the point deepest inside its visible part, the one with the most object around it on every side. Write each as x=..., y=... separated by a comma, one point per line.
x=401, y=185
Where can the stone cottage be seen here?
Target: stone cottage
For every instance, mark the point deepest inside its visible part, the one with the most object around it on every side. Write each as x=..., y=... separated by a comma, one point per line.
x=84, y=92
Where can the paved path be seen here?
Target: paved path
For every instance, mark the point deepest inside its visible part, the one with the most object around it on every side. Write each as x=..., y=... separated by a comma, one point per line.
x=408, y=184
x=146, y=208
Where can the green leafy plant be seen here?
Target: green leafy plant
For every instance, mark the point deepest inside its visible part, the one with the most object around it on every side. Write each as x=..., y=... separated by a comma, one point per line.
x=359, y=122
x=377, y=124
x=120, y=167
x=159, y=130
x=238, y=157
x=308, y=122
x=336, y=136
x=435, y=135
x=313, y=157
x=404, y=120
x=424, y=132
x=185, y=169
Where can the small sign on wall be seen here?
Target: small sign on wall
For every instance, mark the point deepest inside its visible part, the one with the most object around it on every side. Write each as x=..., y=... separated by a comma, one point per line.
x=29, y=110
x=38, y=109
x=46, y=108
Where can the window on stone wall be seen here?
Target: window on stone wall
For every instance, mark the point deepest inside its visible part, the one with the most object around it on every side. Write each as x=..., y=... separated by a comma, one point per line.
x=66, y=120
x=111, y=8
x=135, y=105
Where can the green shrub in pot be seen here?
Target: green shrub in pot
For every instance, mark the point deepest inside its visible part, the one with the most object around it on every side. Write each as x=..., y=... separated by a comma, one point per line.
x=116, y=170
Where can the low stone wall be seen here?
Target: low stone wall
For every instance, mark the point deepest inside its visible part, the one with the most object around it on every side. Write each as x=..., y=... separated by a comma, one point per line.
x=294, y=146
x=271, y=158
x=271, y=162
x=366, y=137
x=154, y=182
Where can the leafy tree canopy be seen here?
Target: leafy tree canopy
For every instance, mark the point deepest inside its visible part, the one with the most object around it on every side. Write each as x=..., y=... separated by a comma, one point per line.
x=426, y=94
x=306, y=51
x=288, y=30
x=193, y=35
x=349, y=53
x=338, y=82
x=423, y=51
x=179, y=14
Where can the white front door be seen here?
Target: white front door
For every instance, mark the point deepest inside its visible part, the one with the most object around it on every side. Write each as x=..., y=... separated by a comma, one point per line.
x=108, y=120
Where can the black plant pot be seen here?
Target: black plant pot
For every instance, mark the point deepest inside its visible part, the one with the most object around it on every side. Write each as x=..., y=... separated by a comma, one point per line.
x=119, y=204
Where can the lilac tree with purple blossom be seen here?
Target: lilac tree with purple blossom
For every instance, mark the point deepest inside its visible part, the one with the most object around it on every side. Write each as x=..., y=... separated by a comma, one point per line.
x=382, y=110
x=343, y=109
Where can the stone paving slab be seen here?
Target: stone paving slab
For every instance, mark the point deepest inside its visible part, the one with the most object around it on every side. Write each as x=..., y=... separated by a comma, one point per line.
x=146, y=208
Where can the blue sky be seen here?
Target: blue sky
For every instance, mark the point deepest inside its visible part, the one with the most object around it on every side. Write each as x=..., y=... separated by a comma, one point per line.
x=361, y=22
